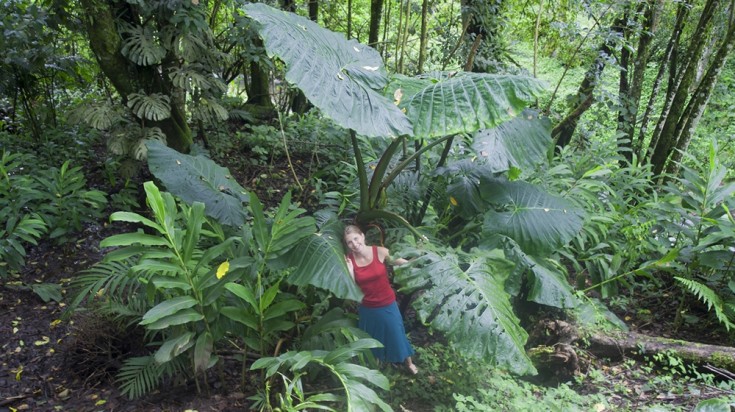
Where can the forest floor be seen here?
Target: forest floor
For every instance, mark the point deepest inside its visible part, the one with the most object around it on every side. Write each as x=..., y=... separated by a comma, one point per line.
x=52, y=363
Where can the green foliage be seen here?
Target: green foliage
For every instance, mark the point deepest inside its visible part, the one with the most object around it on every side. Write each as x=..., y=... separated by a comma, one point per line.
x=198, y=179
x=64, y=202
x=352, y=394
x=342, y=78
x=175, y=262
x=464, y=297
x=51, y=202
x=702, y=231
x=141, y=375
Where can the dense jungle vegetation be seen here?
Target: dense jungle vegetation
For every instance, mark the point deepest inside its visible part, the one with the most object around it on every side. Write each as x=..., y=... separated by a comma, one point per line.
x=176, y=175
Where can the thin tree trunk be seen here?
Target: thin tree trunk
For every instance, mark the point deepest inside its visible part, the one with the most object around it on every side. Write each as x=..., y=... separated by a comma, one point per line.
x=631, y=99
x=699, y=100
x=423, y=40
x=349, y=19
x=672, y=124
x=564, y=131
x=384, y=44
x=667, y=57
x=405, y=36
x=314, y=10
x=376, y=13
x=398, y=34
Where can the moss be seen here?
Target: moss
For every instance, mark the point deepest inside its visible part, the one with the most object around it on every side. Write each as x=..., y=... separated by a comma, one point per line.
x=722, y=360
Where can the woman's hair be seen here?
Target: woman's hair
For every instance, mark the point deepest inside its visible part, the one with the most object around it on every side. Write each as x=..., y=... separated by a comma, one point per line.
x=352, y=229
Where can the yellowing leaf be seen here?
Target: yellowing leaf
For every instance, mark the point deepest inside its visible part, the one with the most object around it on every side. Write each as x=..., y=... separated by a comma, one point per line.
x=55, y=323
x=100, y=402
x=453, y=201
x=42, y=342
x=18, y=372
x=222, y=269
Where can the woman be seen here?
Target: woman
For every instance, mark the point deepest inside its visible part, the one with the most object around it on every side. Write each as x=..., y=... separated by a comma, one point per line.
x=379, y=315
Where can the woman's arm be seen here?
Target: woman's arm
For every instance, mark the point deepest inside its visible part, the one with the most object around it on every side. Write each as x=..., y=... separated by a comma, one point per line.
x=349, y=267
x=385, y=257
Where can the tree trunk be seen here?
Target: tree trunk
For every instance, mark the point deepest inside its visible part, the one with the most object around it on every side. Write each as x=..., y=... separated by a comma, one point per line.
x=673, y=122
x=632, y=96
x=314, y=10
x=699, y=100
x=376, y=14
x=484, y=20
x=349, y=19
x=639, y=145
x=423, y=40
x=564, y=131
x=126, y=76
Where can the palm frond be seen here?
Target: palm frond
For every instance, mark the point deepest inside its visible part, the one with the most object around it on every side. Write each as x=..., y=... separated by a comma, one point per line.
x=139, y=376
x=104, y=278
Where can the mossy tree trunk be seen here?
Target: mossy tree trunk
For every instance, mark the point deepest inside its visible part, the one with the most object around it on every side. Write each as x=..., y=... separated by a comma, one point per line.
x=102, y=19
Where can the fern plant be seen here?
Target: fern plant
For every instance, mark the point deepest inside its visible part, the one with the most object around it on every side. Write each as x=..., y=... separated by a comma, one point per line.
x=699, y=221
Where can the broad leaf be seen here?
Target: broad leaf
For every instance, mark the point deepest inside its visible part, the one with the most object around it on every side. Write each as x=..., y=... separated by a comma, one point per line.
x=539, y=222
x=463, y=191
x=339, y=77
x=319, y=260
x=168, y=307
x=464, y=102
x=548, y=284
x=466, y=300
x=179, y=318
x=198, y=179
x=203, y=352
x=173, y=347
x=521, y=142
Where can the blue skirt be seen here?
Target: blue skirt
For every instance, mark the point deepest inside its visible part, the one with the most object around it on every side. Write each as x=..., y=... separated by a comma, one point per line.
x=385, y=325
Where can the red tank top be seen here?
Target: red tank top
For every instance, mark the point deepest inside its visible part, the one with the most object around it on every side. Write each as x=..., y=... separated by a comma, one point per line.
x=373, y=281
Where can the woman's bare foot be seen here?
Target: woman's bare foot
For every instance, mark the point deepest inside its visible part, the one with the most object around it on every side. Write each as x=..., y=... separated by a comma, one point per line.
x=411, y=367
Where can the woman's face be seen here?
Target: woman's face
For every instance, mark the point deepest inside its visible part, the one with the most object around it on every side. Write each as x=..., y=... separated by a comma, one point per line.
x=354, y=241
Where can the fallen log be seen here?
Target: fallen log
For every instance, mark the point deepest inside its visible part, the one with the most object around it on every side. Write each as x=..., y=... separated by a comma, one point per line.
x=551, y=341
x=616, y=345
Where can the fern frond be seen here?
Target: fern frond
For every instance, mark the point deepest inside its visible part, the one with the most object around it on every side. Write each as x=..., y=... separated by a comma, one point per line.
x=155, y=106
x=141, y=45
x=709, y=297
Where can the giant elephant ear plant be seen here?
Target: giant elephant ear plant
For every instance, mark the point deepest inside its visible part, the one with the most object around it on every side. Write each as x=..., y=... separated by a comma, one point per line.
x=347, y=82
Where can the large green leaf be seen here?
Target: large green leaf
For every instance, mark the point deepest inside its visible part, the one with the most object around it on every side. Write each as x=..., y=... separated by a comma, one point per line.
x=319, y=260
x=521, y=142
x=339, y=77
x=463, y=296
x=546, y=279
x=198, y=179
x=539, y=222
x=463, y=191
x=168, y=307
x=452, y=103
